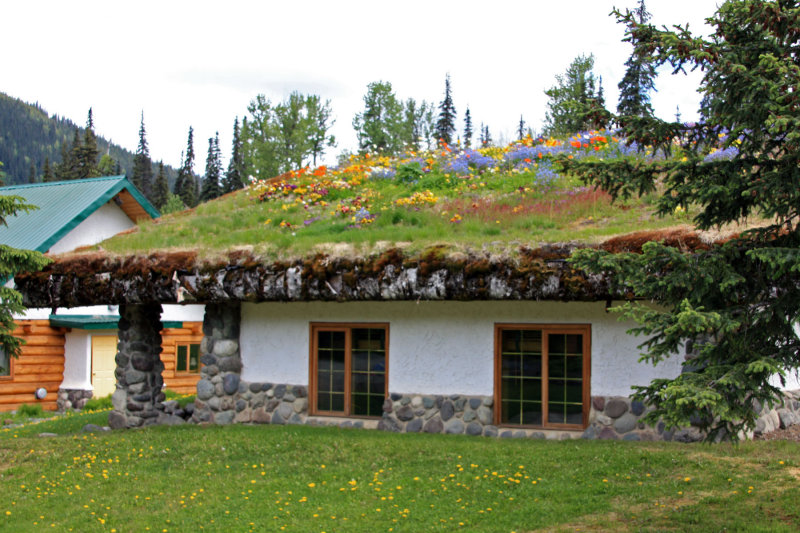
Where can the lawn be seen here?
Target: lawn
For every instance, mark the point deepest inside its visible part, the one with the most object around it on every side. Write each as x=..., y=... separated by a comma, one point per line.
x=298, y=478
x=494, y=199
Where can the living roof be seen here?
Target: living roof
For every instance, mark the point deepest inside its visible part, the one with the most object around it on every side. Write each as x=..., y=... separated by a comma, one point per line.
x=63, y=205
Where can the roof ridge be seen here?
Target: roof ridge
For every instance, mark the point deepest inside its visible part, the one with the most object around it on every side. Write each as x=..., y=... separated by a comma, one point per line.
x=63, y=182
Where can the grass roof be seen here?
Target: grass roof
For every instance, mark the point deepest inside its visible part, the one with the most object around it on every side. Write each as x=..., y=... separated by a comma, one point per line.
x=495, y=199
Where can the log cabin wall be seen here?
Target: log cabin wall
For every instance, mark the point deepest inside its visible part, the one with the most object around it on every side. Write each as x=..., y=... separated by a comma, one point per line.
x=41, y=364
x=180, y=382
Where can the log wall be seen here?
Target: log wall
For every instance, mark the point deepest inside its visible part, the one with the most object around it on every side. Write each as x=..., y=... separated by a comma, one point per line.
x=183, y=383
x=41, y=364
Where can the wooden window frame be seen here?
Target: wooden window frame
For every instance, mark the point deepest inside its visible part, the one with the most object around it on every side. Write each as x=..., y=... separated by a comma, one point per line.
x=187, y=372
x=546, y=329
x=347, y=327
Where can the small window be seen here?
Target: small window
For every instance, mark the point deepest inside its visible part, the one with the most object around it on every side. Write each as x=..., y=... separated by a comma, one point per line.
x=187, y=358
x=5, y=364
x=349, y=369
x=542, y=375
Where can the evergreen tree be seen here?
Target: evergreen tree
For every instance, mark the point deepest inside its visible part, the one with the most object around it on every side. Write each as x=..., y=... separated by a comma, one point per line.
x=32, y=174
x=108, y=166
x=67, y=169
x=211, y=186
x=573, y=105
x=161, y=187
x=735, y=302
x=47, y=172
x=185, y=186
x=87, y=152
x=487, y=137
x=13, y=260
x=446, y=125
x=142, y=165
x=234, y=177
x=468, y=129
x=638, y=81
x=521, y=129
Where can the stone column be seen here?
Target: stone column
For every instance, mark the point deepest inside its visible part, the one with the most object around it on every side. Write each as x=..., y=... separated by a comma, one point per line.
x=222, y=365
x=138, y=400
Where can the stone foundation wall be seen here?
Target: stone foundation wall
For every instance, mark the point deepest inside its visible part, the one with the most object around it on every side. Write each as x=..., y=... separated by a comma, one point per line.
x=620, y=418
x=414, y=413
x=72, y=399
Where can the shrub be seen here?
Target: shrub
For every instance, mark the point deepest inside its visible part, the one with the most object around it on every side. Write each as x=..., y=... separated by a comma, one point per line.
x=30, y=410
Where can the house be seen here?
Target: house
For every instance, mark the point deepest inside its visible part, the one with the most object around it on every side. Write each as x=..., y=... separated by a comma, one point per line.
x=431, y=341
x=70, y=352
x=393, y=342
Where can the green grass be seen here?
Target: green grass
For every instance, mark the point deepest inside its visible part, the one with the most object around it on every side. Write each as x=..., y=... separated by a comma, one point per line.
x=501, y=209
x=296, y=478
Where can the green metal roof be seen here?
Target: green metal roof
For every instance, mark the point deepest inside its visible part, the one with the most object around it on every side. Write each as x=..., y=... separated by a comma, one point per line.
x=62, y=205
x=98, y=322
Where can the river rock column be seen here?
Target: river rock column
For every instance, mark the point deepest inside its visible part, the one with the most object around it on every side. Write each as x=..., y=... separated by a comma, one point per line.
x=220, y=381
x=138, y=399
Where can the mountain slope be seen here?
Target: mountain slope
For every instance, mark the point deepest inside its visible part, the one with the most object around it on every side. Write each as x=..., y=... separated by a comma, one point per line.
x=28, y=135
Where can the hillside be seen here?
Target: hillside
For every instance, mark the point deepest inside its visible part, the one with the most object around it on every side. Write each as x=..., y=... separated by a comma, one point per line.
x=493, y=200
x=29, y=135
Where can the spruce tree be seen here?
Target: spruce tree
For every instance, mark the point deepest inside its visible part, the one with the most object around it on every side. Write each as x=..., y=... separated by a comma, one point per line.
x=487, y=137
x=446, y=125
x=47, y=171
x=638, y=81
x=185, y=183
x=735, y=301
x=87, y=153
x=234, y=177
x=467, y=129
x=161, y=187
x=67, y=169
x=211, y=186
x=142, y=165
x=32, y=173
x=521, y=129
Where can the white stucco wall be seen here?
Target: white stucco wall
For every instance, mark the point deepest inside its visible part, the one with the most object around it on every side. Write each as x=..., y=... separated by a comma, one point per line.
x=438, y=347
x=77, y=360
x=107, y=221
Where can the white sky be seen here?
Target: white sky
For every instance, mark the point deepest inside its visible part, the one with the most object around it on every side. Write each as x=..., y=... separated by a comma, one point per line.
x=200, y=63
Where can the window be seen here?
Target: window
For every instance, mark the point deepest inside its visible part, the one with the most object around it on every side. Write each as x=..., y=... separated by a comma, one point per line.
x=5, y=364
x=348, y=369
x=187, y=358
x=542, y=375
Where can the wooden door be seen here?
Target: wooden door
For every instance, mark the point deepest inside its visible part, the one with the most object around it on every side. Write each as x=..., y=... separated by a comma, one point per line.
x=104, y=351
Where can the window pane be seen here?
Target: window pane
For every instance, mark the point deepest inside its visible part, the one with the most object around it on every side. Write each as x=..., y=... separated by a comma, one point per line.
x=337, y=402
x=511, y=412
x=512, y=388
x=360, y=360
x=194, y=357
x=556, y=344
x=511, y=340
x=532, y=390
x=359, y=382
x=574, y=366
x=324, y=381
x=337, y=381
x=532, y=365
x=555, y=366
x=531, y=341
x=532, y=413
x=323, y=401
x=180, y=358
x=377, y=385
x=375, y=405
x=574, y=392
x=5, y=363
x=512, y=365
x=574, y=414
x=359, y=403
x=556, y=392
x=556, y=414
x=574, y=344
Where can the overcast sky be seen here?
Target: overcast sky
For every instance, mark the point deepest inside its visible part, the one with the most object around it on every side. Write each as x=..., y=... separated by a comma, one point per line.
x=200, y=63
